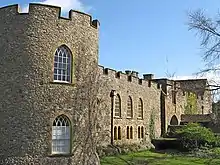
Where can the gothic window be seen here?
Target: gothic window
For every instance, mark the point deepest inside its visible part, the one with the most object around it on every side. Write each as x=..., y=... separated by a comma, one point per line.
x=61, y=135
x=129, y=108
x=142, y=132
x=139, y=132
x=117, y=106
x=62, y=65
x=131, y=132
x=174, y=97
x=140, y=109
x=128, y=132
x=119, y=133
x=115, y=133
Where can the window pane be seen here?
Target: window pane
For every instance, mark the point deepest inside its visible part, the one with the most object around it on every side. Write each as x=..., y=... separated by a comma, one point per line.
x=62, y=62
x=61, y=135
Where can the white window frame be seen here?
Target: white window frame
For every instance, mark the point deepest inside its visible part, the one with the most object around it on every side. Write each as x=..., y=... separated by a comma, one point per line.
x=62, y=65
x=61, y=131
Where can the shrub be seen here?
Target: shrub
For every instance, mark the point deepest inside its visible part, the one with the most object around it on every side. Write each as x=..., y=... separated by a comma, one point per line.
x=195, y=136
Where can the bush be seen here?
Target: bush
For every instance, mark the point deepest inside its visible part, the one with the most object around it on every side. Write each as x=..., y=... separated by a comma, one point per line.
x=195, y=136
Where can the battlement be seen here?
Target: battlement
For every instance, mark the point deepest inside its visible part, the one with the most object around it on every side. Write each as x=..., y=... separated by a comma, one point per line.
x=129, y=76
x=50, y=12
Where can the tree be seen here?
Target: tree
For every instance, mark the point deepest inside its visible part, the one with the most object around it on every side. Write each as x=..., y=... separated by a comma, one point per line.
x=208, y=30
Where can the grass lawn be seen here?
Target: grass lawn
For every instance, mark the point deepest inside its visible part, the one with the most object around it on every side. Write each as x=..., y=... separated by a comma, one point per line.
x=152, y=158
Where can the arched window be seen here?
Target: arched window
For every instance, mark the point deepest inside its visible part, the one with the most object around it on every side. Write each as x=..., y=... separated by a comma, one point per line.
x=140, y=109
x=61, y=135
x=129, y=108
x=62, y=65
x=117, y=106
x=174, y=120
x=131, y=132
x=115, y=133
x=142, y=132
x=128, y=132
x=119, y=133
x=139, y=132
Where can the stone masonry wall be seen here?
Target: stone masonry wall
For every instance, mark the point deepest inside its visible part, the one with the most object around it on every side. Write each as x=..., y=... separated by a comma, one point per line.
x=203, y=94
x=29, y=99
x=125, y=88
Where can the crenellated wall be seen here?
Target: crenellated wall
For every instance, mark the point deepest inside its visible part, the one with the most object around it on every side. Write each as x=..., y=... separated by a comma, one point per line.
x=127, y=85
x=29, y=99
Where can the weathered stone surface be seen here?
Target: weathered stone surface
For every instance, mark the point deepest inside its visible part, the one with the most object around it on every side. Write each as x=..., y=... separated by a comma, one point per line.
x=30, y=100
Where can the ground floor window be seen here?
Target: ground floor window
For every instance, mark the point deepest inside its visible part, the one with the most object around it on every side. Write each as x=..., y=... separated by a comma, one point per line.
x=61, y=135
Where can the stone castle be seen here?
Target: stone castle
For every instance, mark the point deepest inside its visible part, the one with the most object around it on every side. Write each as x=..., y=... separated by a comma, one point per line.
x=45, y=64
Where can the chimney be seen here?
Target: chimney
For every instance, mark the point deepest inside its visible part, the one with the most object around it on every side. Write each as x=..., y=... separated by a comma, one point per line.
x=148, y=76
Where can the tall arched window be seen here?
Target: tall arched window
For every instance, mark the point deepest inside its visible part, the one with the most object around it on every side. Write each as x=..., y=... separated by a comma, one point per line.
x=129, y=108
x=142, y=132
x=115, y=133
x=139, y=132
x=140, y=109
x=61, y=135
x=128, y=132
x=131, y=132
x=62, y=65
x=117, y=106
x=119, y=133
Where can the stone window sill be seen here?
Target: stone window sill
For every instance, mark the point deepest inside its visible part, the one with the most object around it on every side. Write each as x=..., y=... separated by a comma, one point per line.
x=61, y=83
x=117, y=117
x=60, y=155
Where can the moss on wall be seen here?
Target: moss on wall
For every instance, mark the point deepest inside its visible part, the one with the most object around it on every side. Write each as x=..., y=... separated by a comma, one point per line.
x=191, y=103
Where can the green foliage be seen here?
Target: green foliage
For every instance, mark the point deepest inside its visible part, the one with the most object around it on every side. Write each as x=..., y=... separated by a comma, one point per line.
x=191, y=106
x=155, y=158
x=152, y=125
x=195, y=136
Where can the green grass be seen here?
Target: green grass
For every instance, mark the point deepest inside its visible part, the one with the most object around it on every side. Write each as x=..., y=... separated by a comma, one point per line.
x=152, y=158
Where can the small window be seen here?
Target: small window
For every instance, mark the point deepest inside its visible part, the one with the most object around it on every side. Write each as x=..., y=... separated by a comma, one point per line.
x=62, y=65
x=202, y=109
x=117, y=106
x=119, y=133
x=61, y=135
x=142, y=132
x=139, y=132
x=127, y=132
x=140, y=109
x=129, y=108
x=131, y=132
x=115, y=133
x=174, y=97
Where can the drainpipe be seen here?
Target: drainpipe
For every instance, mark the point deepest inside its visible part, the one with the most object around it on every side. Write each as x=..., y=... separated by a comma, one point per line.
x=112, y=95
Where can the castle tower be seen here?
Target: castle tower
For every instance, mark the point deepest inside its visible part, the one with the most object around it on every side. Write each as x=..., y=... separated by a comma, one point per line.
x=41, y=57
